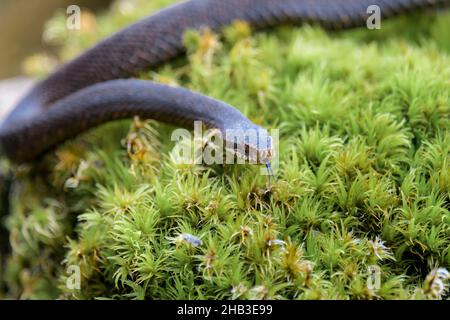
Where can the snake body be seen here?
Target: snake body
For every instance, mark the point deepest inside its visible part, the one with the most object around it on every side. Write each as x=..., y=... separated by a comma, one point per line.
x=93, y=88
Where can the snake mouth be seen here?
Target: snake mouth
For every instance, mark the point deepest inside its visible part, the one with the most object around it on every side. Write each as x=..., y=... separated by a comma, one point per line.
x=259, y=156
x=254, y=146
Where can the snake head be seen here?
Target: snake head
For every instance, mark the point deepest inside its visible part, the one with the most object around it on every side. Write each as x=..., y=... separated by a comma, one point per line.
x=253, y=144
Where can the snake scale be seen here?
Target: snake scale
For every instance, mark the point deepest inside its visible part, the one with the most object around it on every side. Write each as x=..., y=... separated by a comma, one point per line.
x=95, y=87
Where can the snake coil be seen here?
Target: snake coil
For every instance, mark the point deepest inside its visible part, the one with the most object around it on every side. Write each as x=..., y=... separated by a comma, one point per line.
x=92, y=89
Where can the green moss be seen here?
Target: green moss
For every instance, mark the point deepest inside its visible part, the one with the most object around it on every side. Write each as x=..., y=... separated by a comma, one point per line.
x=363, y=186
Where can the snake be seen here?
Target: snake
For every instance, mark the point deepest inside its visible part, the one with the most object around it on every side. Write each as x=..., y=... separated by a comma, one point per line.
x=100, y=85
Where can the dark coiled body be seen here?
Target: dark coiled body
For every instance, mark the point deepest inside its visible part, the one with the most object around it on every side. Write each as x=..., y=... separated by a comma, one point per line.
x=68, y=102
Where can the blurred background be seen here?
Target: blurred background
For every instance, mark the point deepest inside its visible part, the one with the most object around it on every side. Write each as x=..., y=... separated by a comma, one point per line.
x=21, y=26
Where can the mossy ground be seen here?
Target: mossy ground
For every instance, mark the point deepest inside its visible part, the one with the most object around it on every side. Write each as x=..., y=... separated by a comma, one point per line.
x=363, y=183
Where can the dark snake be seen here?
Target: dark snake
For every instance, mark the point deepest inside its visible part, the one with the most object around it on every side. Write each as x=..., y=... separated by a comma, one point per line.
x=92, y=89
